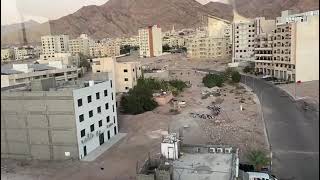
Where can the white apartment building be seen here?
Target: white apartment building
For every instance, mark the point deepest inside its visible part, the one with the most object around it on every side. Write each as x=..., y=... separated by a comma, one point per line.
x=173, y=41
x=7, y=54
x=25, y=73
x=104, y=49
x=65, y=59
x=150, y=41
x=21, y=53
x=52, y=44
x=290, y=16
x=80, y=45
x=130, y=41
x=125, y=74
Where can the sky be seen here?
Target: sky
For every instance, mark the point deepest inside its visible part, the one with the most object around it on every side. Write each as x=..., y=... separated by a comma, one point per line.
x=15, y=11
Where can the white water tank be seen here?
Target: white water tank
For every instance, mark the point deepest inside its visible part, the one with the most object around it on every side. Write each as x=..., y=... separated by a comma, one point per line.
x=91, y=83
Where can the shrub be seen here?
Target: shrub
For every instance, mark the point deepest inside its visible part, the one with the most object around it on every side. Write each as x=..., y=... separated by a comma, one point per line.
x=228, y=72
x=258, y=159
x=235, y=77
x=211, y=80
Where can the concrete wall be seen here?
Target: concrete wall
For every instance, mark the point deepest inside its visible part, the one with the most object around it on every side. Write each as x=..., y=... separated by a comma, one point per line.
x=307, y=49
x=159, y=75
x=38, y=125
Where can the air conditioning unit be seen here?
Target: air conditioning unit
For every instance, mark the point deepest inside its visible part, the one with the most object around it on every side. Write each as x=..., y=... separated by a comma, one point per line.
x=219, y=150
x=212, y=150
x=228, y=150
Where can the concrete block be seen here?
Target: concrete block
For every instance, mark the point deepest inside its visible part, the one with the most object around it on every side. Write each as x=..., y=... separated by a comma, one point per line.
x=37, y=121
x=59, y=152
x=19, y=135
x=3, y=148
x=60, y=106
x=64, y=137
x=41, y=152
x=18, y=148
x=12, y=105
x=34, y=105
x=15, y=121
x=39, y=136
x=64, y=121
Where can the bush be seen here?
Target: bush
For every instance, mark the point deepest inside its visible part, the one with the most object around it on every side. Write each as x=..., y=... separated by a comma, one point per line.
x=235, y=77
x=258, y=159
x=248, y=69
x=228, y=72
x=211, y=80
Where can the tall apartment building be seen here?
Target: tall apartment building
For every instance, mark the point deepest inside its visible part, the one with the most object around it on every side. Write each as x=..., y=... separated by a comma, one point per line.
x=263, y=53
x=244, y=34
x=290, y=16
x=52, y=44
x=104, y=49
x=208, y=47
x=295, y=54
x=80, y=45
x=125, y=74
x=7, y=54
x=57, y=122
x=150, y=41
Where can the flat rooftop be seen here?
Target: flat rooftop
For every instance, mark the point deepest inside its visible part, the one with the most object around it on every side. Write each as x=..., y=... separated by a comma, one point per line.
x=203, y=166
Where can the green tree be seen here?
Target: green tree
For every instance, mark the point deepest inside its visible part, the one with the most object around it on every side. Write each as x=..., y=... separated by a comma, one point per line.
x=211, y=80
x=165, y=48
x=84, y=61
x=248, y=69
x=258, y=159
x=235, y=77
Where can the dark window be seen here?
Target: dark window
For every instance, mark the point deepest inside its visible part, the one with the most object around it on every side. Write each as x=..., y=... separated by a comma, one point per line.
x=112, y=96
x=100, y=123
x=244, y=50
x=249, y=30
x=248, y=45
x=108, y=119
x=248, y=40
x=107, y=105
x=97, y=95
x=92, y=127
x=105, y=92
x=111, y=83
x=89, y=99
x=236, y=50
x=114, y=119
x=113, y=108
x=249, y=35
x=79, y=102
x=125, y=79
x=133, y=70
x=81, y=118
x=83, y=132
x=90, y=113
x=125, y=70
x=99, y=109
x=127, y=87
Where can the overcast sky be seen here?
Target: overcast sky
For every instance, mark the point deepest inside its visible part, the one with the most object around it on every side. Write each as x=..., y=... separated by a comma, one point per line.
x=14, y=11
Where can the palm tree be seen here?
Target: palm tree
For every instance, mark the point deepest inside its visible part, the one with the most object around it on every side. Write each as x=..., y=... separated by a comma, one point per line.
x=258, y=159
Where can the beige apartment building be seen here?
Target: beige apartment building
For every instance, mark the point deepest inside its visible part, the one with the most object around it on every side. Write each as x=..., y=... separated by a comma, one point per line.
x=7, y=55
x=150, y=41
x=130, y=41
x=54, y=44
x=263, y=53
x=80, y=45
x=104, y=49
x=125, y=74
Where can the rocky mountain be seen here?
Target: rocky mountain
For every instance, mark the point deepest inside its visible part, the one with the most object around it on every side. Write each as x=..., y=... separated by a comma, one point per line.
x=124, y=17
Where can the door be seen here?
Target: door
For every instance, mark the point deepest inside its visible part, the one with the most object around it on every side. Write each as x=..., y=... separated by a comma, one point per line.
x=101, y=138
x=108, y=135
x=170, y=153
x=85, y=150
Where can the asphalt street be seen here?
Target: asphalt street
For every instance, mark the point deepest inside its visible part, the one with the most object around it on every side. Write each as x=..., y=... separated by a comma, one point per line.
x=293, y=133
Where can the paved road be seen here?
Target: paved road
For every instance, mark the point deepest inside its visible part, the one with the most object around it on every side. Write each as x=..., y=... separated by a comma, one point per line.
x=292, y=132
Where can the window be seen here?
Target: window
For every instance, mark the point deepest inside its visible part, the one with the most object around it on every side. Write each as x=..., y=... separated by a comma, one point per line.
x=249, y=35
x=99, y=109
x=97, y=95
x=236, y=50
x=133, y=70
x=114, y=119
x=79, y=102
x=125, y=70
x=108, y=119
x=105, y=92
x=92, y=127
x=107, y=105
x=83, y=132
x=112, y=96
x=125, y=79
x=89, y=99
x=100, y=123
x=113, y=108
x=127, y=88
x=81, y=118
x=90, y=113
x=111, y=83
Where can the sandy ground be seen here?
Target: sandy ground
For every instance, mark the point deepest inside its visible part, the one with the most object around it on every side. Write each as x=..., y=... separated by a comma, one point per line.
x=234, y=127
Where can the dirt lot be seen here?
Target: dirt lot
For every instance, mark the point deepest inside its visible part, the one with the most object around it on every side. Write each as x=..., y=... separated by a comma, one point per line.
x=232, y=126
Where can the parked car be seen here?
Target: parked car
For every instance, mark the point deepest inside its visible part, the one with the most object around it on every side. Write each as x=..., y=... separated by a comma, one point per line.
x=260, y=175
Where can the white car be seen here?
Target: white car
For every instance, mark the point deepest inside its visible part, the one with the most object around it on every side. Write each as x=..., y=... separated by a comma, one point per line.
x=260, y=176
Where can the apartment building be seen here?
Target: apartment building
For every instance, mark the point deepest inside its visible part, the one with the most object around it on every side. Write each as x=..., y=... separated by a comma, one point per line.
x=52, y=44
x=173, y=41
x=57, y=122
x=294, y=51
x=25, y=73
x=263, y=53
x=7, y=54
x=290, y=16
x=125, y=74
x=80, y=45
x=104, y=49
x=208, y=47
x=130, y=41
x=65, y=59
x=150, y=41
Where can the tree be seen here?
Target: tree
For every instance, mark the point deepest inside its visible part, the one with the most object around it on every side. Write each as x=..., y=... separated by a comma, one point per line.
x=258, y=159
x=84, y=61
x=235, y=77
x=125, y=49
x=165, y=48
x=211, y=80
x=248, y=69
